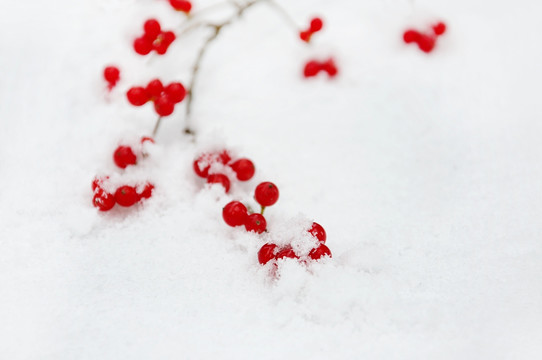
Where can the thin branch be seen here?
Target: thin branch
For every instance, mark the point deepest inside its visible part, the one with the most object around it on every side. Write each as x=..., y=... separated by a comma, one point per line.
x=156, y=126
x=285, y=15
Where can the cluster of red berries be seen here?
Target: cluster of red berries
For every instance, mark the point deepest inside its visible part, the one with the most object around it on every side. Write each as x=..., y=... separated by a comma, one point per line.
x=181, y=5
x=164, y=98
x=153, y=38
x=112, y=76
x=125, y=195
x=210, y=166
x=271, y=251
x=313, y=68
x=235, y=213
x=426, y=42
x=315, y=25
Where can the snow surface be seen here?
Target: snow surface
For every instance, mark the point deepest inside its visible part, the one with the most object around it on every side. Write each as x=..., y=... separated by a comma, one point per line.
x=425, y=171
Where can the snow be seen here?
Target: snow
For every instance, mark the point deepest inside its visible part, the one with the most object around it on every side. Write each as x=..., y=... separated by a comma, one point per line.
x=424, y=170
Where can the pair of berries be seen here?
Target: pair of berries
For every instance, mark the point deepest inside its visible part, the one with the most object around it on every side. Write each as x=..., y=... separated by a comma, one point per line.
x=426, y=42
x=313, y=68
x=153, y=38
x=125, y=195
x=236, y=214
x=315, y=25
x=181, y=5
x=124, y=155
x=164, y=98
x=244, y=168
x=112, y=76
x=271, y=251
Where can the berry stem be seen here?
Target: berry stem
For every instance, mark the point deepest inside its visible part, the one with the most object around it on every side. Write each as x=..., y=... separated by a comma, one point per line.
x=156, y=126
x=263, y=209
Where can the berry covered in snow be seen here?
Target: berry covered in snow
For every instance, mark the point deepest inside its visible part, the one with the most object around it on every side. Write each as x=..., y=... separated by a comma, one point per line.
x=266, y=253
x=219, y=179
x=103, y=200
x=318, y=232
x=320, y=252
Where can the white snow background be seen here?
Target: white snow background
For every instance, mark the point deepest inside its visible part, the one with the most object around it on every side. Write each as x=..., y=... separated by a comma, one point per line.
x=425, y=171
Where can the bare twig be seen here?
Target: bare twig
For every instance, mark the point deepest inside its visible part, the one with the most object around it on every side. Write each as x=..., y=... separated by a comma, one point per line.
x=156, y=126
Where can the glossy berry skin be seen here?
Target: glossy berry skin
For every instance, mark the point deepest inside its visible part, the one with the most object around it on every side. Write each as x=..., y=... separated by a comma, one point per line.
x=235, y=213
x=312, y=68
x=330, y=67
x=411, y=36
x=318, y=232
x=320, y=252
x=219, y=179
x=147, y=191
x=124, y=156
x=256, y=222
x=176, y=92
x=181, y=5
x=266, y=194
x=154, y=89
x=103, y=200
x=112, y=75
x=266, y=253
x=426, y=43
x=244, y=169
x=439, y=28
x=164, y=106
x=137, y=96
x=126, y=196
x=316, y=25
x=152, y=28
x=142, y=45
x=288, y=252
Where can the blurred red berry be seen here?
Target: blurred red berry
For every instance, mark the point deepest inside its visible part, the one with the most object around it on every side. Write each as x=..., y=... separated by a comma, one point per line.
x=147, y=138
x=203, y=163
x=426, y=43
x=126, y=196
x=411, y=36
x=154, y=88
x=137, y=96
x=266, y=194
x=124, y=156
x=316, y=25
x=219, y=179
x=235, y=213
x=288, y=252
x=305, y=35
x=112, y=75
x=312, y=68
x=164, y=106
x=181, y=5
x=147, y=191
x=103, y=200
x=266, y=253
x=142, y=46
x=256, y=222
x=176, y=92
x=244, y=169
x=319, y=252
x=439, y=28
x=330, y=67
x=318, y=232
x=152, y=28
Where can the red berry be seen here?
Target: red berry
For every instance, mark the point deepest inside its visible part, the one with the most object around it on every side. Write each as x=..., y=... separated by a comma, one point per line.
x=176, y=92
x=319, y=252
x=103, y=200
x=439, y=28
x=411, y=36
x=147, y=138
x=266, y=194
x=426, y=43
x=124, y=156
x=224, y=157
x=154, y=88
x=219, y=179
x=203, y=163
x=98, y=182
x=112, y=75
x=312, y=68
x=318, y=232
x=305, y=35
x=266, y=253
x=163, y=105
x=169, y=37
x=137, y=96
x=126, y=196
x=256, y=222
x=235, y=213
x=147, y=191
x=288, y=252
x=330, y=67
x=244, y=168
x=316, y=24
x=142, y=46
x=162, y=42
x=152, y=28
x=181, y=5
